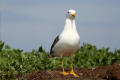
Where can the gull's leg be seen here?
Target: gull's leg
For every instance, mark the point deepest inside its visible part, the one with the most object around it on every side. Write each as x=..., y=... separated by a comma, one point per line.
x=63, y=72
x=72, y=71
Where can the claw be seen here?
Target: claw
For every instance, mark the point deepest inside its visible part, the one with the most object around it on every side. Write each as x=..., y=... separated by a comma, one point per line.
x=74, y=74
x=64, y=73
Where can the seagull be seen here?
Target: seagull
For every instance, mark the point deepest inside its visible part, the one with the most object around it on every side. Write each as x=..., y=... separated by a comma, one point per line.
x=68, y=42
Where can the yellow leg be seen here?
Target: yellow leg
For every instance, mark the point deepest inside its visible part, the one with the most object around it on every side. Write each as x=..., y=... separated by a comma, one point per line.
x=63, y=72
x=72, y=71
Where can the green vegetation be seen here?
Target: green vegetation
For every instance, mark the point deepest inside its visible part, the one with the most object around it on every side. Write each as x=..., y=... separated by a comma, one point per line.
x=15, y=63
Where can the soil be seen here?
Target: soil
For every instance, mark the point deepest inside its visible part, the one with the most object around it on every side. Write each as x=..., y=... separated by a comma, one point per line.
x=99, y=73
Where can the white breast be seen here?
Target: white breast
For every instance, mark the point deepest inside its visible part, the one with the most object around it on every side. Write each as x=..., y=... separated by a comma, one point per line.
x=67, y=45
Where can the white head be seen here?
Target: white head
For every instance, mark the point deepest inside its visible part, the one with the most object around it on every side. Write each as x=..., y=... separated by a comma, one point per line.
x=71, y=14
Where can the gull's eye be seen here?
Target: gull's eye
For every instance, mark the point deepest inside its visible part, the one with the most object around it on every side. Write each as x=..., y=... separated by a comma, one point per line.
x=68, y=12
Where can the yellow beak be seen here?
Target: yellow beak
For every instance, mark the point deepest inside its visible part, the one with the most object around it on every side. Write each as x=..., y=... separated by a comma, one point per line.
x=74, y=15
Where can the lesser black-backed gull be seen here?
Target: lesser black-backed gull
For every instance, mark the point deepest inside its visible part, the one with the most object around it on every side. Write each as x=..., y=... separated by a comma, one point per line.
x=68, y=42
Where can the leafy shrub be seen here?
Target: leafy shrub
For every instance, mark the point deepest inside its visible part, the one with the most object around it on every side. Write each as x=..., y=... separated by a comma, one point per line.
x=15, y=63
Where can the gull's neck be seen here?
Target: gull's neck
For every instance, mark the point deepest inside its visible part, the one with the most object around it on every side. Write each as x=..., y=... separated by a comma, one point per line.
x=70, y=25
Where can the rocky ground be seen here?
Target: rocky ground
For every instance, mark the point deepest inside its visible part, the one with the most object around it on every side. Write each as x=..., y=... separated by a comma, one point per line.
x=99, y=73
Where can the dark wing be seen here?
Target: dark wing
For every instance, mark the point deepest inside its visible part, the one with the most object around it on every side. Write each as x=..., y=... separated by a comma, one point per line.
x=55, y=41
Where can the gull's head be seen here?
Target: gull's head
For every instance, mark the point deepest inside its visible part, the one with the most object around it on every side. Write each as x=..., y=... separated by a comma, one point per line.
x=71, y=14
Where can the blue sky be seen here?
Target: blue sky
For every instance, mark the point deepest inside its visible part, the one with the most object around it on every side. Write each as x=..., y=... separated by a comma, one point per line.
x=28, y=24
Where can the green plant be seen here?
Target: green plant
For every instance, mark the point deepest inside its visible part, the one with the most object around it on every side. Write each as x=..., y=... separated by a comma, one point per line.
x=15, y=63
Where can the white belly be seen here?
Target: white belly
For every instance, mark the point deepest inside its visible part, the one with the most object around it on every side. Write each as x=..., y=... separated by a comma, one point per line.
x=66, y=47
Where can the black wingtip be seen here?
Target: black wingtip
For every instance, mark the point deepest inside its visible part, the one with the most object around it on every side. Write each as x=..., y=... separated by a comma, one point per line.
x=50, y=55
